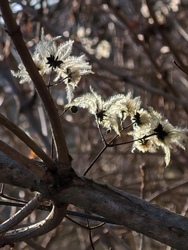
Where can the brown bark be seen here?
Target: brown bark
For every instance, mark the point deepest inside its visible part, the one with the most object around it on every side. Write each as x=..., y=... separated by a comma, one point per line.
x=117, y=206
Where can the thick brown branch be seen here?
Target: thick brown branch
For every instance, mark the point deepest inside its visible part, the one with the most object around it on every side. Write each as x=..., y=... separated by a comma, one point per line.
x=117, y=206
x=15, y=33
x=132, y=212
x=15, y=155
x=16, y=174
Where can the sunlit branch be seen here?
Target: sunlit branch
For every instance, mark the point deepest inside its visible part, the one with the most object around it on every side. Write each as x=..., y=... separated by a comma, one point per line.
x=21, y=214
x=50, y=222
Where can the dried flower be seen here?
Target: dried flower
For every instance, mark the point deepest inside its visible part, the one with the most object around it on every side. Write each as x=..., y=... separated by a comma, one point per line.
x=100, y=109
x=166, y=135
x=151, y=131
x=71, y=71
x=141, y=140
x=141, y=119
x=50, y=56
x=23, y=74
x=51, y=53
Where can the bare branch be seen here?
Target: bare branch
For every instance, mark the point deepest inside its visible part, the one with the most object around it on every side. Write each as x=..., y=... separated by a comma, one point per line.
x=49, y=223
x=124, y=209
x=34, y=245
x=16, y=174
x=16, y=36
x=21, y=214
x=26, y=139
x=117, y=206
x=15, y=155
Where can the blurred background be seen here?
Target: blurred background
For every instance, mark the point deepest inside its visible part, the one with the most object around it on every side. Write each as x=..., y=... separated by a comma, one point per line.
x=131, y=45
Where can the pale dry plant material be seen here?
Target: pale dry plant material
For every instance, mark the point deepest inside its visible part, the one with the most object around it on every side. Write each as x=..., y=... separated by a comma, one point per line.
x=108, y=113
x=149, y=130
x=53, y=57
x=152, y=131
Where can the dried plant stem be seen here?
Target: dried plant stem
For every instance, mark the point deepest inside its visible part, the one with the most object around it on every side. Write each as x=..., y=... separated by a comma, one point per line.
x=50, y=222
x=166, y=190
x=21, y=214
x=34, y=245
x=16, y=36
x=91, y=240
x=106, y=145
x=83, y=226
x=9, y=197
x=182, y=68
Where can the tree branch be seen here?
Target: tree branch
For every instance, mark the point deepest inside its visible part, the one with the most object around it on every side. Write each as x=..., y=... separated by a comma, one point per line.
x=21, y=214
x=127, y=210
x=49, y=223
x=16, y=36
x=117, y=206
x=16, y=174
x=26, y=139
x=15, y=155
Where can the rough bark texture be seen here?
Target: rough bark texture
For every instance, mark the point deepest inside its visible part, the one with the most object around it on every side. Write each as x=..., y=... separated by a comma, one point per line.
x=119, y=207
x=15, y=174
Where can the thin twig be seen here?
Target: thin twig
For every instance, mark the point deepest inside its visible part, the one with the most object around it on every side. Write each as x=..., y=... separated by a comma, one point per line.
x=34, y=245
x=166, y=190
x=91, y=240
x=7, y=196
x=71, y=213
x=96, y=158
x=83, y=226
x=180, y=67
x=100, y=132
x=106, y=145
x=90, y=235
